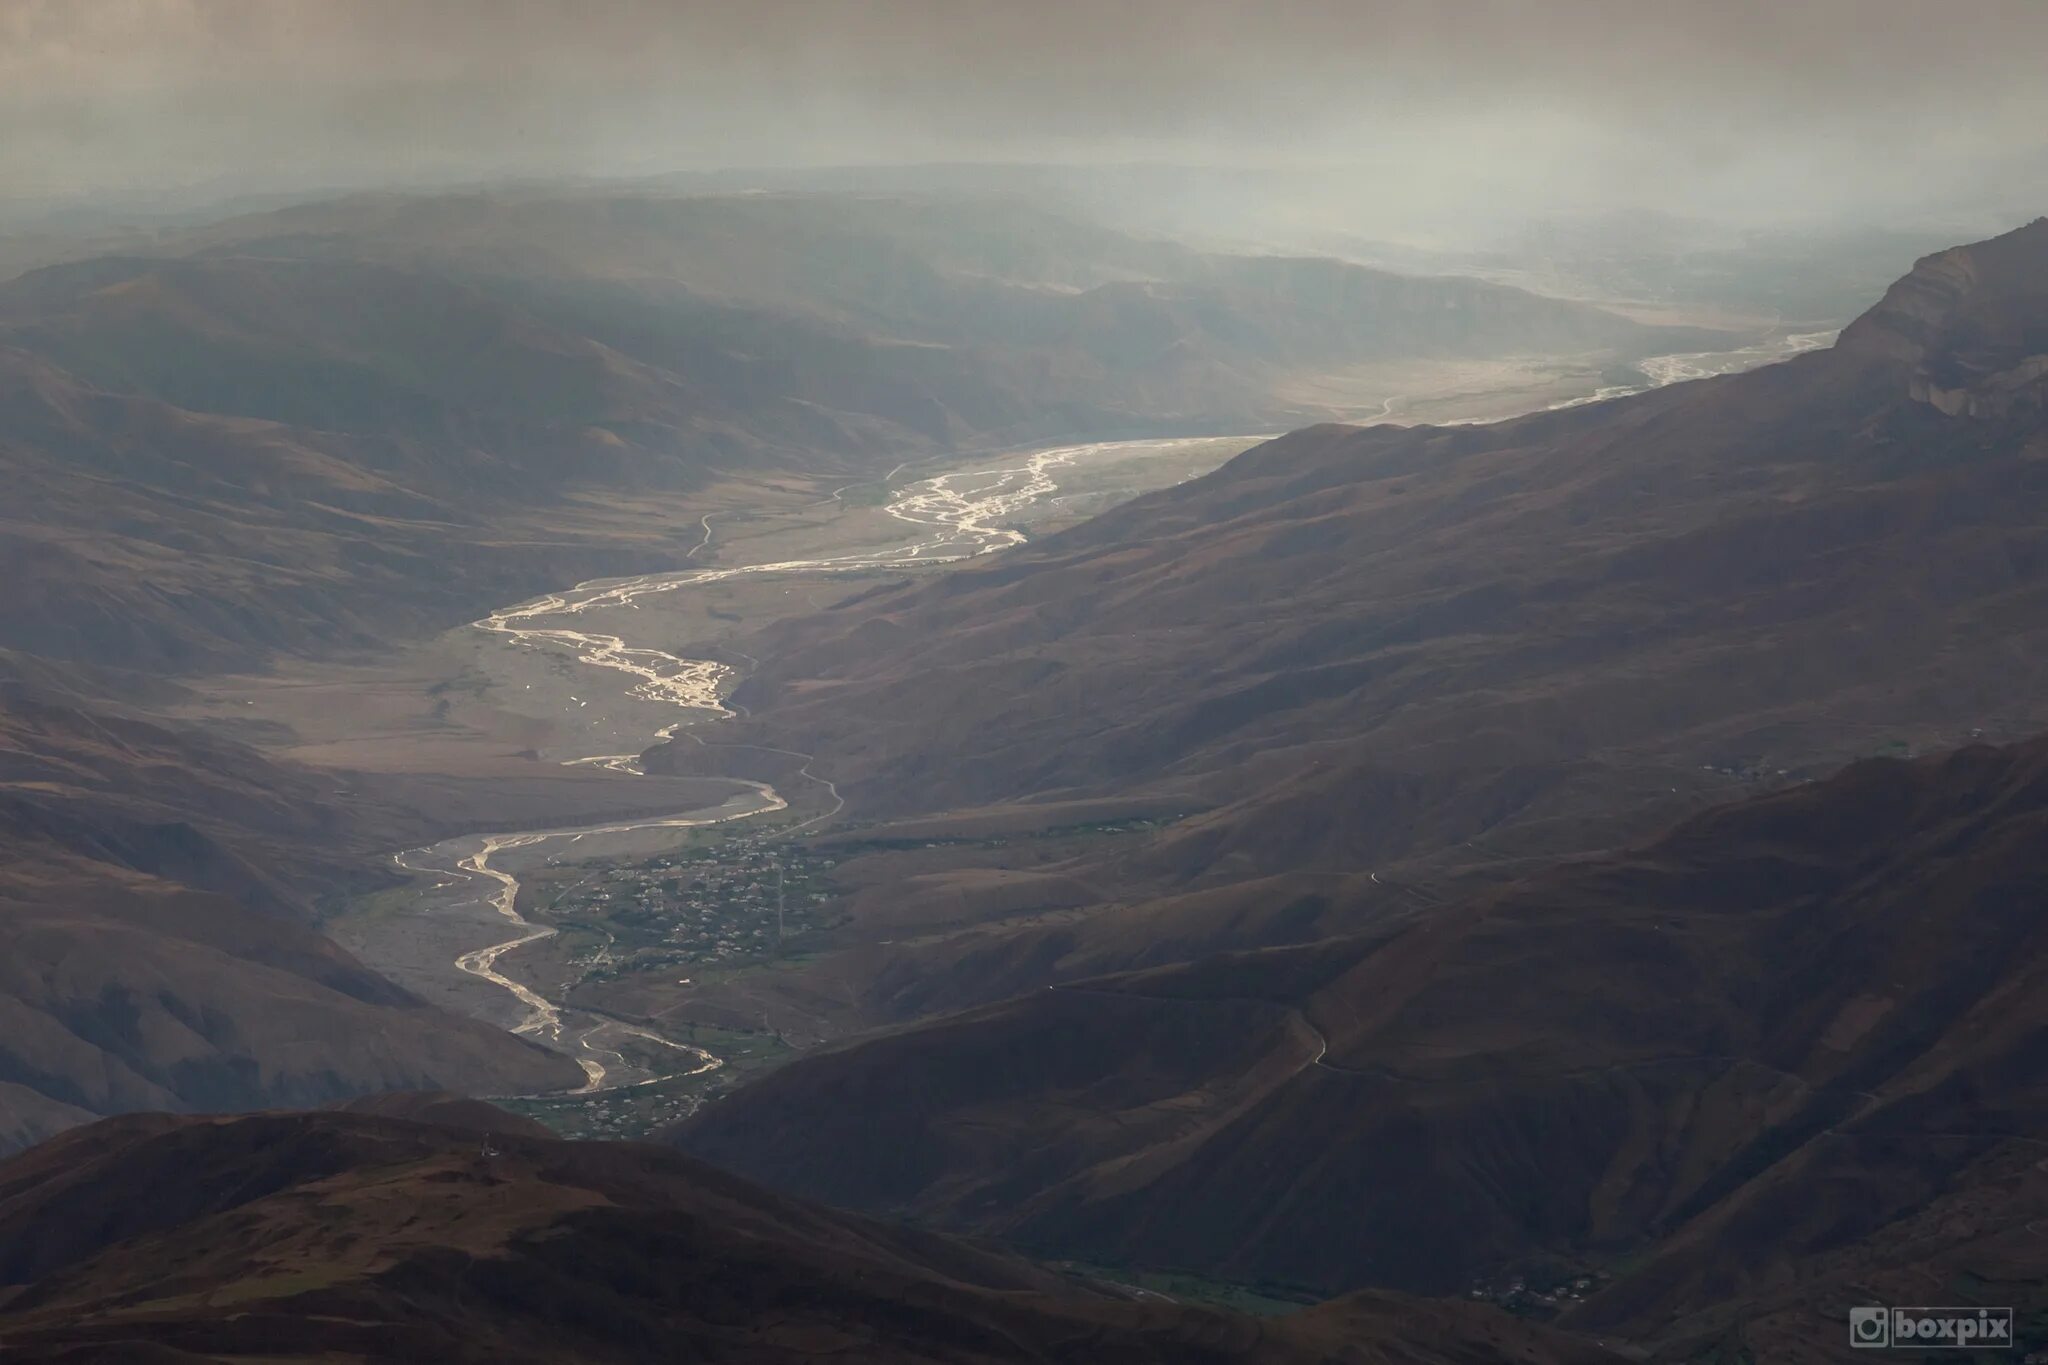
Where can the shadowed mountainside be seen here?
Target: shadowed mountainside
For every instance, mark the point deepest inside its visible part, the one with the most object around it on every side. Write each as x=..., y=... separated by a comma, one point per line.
x=156, y=939
x=148, y=536
x=1788, y=1052
x=1816, y=537
x=345, y=1237
x=1447, y=653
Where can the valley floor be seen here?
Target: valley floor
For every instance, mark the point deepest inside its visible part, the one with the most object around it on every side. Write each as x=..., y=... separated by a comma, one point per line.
x=527, y=722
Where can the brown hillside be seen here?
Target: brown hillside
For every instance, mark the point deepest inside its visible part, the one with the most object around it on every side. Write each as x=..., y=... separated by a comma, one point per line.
x=1796, y=1040
x=1445, y=655
x=351, y=1238
x=156, y=939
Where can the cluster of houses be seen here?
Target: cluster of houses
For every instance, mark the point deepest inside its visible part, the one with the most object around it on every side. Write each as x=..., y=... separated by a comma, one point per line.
x=628, y=1114
x=746, y=899
x=1517, y=1296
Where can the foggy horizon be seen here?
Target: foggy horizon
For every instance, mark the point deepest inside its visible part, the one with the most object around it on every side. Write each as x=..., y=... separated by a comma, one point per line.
x=1395, y=118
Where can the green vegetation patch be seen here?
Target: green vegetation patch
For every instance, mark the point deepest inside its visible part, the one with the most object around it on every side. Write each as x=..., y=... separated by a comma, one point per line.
x=1262, y=1299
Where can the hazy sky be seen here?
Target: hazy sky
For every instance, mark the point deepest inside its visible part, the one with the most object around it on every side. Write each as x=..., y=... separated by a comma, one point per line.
x=1711, y=105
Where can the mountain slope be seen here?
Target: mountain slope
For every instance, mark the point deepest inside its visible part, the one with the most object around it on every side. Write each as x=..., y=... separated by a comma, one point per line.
x=154, y=538
x=1796, y=1043
x=333, y=346
x=348, y=1237
x=940, y=321
x=156, y=939
x=1434, y=652
x=1459, y=593
x=957, y=271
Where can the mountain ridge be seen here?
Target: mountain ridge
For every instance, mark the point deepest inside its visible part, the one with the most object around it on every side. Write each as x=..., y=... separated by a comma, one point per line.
x=356, y=1237
x=157, y=890
x=1432, y=655
x=1710, y=1068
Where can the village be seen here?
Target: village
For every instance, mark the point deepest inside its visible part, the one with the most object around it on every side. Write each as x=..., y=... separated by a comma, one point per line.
x=634, y=1111
x=741, y=899
x=1526, y=1295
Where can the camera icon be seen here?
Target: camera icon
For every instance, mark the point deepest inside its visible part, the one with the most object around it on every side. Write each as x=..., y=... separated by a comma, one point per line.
x=1870, y=1327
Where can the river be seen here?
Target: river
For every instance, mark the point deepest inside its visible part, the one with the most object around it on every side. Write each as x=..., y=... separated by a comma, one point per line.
x=1660, y=370
x=946, y=518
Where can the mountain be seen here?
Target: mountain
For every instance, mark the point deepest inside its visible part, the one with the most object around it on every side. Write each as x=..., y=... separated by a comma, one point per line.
x=1787, y=1058
x=353, y=1237
x=336, y=346
x=1348, y=1020
x=979, y=274
x=1433, y=656
x=1515, y=567
x=1970, y=323
x=151, y=537
x=922, y=320
x=157, y=939
x=305, y=429
x=856, y=324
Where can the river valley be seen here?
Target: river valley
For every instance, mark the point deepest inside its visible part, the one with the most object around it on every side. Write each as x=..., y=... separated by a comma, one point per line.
x=464, y=937
x=601, y=671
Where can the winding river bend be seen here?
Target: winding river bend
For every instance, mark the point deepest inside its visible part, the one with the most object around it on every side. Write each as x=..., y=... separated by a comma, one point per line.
x=952, y=516
x=945, y=519
x=1660, y=370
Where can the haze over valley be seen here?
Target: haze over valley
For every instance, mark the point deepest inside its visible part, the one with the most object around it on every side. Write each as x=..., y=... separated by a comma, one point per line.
x=1265, y=684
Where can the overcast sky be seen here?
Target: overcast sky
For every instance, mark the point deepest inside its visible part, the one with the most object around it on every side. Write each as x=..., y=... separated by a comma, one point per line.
x=1718, y=106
